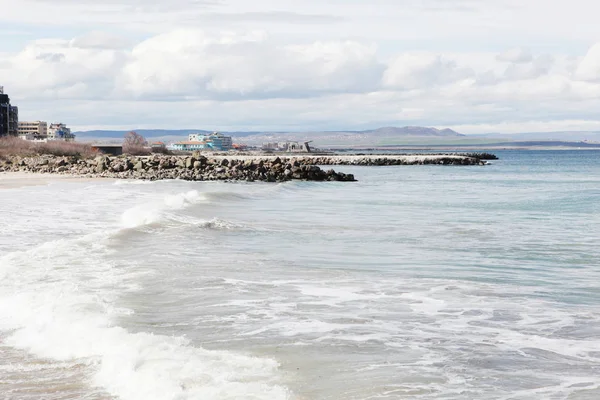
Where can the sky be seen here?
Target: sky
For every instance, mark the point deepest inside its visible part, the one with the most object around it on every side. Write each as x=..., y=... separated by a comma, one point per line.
x=476, y=66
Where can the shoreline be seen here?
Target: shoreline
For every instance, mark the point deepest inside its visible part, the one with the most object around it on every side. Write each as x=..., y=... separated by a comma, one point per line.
x=224, y=167
x=20, y=179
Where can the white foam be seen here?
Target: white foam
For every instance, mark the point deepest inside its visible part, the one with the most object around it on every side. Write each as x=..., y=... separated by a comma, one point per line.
x=154, y=212
x=58, y=302
x=133, y=182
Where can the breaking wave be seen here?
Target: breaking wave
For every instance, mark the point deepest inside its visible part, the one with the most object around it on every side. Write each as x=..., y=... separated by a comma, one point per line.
x=59, y=301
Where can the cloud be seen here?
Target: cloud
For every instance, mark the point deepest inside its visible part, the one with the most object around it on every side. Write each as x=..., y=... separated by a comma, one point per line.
x=284, y=17
x=419, y=71
x=51, y=57
x=251, y=79
x=228, y=66
x=517, y=55
x=529, y=70
x=100, y=40
x=589, y=68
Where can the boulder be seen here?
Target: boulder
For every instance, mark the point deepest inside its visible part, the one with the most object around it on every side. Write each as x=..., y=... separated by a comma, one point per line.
x=139, y=166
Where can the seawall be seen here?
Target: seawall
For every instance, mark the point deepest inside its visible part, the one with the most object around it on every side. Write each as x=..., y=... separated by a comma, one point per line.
x=268, y=168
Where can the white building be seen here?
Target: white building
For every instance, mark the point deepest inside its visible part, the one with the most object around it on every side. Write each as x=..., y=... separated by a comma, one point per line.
x=59, y=131
x=289, y=147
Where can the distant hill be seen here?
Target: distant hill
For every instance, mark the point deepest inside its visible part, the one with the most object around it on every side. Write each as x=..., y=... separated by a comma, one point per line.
x=412, y=131
x=380, y=137
x=379, y=132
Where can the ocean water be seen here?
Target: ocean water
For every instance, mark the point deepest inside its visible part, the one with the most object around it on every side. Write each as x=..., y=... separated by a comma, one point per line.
x=417, y=282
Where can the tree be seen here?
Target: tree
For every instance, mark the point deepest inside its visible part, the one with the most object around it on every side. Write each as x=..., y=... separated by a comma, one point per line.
x=135, y=144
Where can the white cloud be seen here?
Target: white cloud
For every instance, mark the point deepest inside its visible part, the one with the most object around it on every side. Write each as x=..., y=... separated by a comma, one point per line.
x=589, y=68
x=419, y=71
x=529, y=70
x=272, y=64
x=518, y=55
x=228, y=66
x=100, y=40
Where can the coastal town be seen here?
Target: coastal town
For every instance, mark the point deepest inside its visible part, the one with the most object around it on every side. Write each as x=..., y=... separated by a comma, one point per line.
x=42, y=131
x=34, y=131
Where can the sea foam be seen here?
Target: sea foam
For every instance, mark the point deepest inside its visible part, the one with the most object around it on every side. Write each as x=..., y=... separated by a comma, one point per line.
x=59, y=301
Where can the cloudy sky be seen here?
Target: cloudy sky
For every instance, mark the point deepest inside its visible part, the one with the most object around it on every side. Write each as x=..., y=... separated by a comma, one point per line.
x=472, y=65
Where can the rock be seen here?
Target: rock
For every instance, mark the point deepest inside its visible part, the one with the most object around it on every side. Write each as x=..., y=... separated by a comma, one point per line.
x=100, y=167
x=189, y=162
x=139, y=166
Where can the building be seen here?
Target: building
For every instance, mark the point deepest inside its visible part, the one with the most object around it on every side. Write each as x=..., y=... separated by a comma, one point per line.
x=197, y=141
x=111, y=149
x=59, y=131
x=158, y=147
x=190, y=145
x=9, y=116
x=289, y=147
x=216, y=141
x=36, y=128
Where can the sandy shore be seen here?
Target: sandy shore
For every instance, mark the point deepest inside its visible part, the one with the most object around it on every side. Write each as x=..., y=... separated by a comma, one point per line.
x=13, y=180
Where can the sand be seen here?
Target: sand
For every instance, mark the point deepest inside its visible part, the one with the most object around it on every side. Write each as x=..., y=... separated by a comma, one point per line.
x=14, y=180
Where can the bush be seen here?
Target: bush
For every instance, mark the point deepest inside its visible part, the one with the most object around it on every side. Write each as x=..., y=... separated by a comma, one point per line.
x=14, y=146
x=60, y=148
x=135, y=144
x=161, y=150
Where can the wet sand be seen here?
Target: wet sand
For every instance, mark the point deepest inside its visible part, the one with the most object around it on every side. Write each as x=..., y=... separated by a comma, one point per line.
x=14, y=180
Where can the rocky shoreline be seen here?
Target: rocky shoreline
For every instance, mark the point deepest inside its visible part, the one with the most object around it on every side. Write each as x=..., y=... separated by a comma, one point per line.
x=230, y=167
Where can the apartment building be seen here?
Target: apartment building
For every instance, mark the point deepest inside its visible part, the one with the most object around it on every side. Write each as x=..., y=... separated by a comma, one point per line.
x=9, y=116
x=35, y=128
x=59, y=131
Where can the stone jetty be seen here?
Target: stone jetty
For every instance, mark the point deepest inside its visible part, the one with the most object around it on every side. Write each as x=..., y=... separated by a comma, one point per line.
x=228, y=167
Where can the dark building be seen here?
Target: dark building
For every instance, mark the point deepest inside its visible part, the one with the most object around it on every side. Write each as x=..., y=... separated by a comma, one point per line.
x=9, y=116
x=112, y=149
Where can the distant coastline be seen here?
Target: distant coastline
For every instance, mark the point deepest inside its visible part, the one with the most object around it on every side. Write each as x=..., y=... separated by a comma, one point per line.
x=386, y=138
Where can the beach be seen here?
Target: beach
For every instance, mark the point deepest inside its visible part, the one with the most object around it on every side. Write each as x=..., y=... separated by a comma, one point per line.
x=14, y=180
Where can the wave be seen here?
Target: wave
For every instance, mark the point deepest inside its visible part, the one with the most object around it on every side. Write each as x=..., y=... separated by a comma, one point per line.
x=59, y=301
x=151, y=213
x=133, y=182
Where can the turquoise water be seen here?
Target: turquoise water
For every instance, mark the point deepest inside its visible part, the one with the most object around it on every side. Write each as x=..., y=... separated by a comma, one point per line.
x=417, y=282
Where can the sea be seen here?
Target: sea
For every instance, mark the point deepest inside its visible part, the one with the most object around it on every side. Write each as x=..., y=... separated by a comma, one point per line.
x=416, y=282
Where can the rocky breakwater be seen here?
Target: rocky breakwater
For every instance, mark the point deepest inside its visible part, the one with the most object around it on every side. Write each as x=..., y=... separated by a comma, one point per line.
x=386, y=160
x=194, y=168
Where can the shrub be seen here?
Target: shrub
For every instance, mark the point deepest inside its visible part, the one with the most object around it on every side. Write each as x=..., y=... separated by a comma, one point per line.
x=14, y=146
x=161, y=150
x=135, y=144
x=60, y=148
